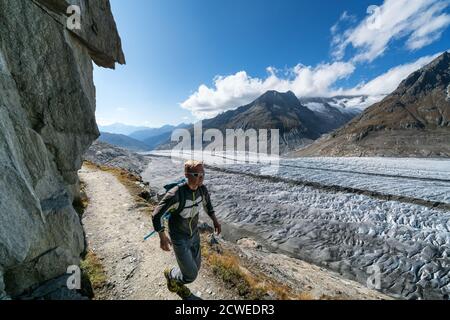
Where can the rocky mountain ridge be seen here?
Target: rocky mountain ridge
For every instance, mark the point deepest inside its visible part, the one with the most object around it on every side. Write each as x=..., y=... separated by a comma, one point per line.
x=298, y=125
x=414, y=120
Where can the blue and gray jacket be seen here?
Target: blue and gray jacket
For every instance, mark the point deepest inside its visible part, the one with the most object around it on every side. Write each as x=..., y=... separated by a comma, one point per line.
x=184, y=205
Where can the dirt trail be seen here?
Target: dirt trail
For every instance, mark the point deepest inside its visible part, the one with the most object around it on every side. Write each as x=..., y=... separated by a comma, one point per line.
x=115, y=228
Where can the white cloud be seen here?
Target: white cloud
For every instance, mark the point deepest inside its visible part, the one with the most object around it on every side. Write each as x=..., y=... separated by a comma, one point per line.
x=421, y=22
x=345, y=17
x=429, y=27
x=239, y=89
x=104, y=121
x=229, y=92
x=389, y=81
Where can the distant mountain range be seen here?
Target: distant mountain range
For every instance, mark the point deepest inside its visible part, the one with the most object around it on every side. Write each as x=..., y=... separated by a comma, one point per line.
x=298, y=124
x=154, y=137
x=123, y=141
x=120, y=128
x=143, y=139
x=412, y=121
x=146, y=133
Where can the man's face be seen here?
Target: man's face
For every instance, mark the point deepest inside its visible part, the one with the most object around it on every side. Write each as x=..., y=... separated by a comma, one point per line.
x=195, y=176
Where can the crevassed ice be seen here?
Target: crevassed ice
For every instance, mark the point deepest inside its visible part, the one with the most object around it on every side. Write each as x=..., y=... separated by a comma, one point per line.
x=448, y=92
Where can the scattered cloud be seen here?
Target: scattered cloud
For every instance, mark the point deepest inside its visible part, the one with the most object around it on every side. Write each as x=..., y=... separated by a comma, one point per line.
x=420, y=22
x=239, y=89
x=429, y=27
x=104, y=121
x=389, y=81
x=344, y=18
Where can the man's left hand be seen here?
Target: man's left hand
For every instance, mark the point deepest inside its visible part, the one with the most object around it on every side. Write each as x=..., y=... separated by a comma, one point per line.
x=217, y=226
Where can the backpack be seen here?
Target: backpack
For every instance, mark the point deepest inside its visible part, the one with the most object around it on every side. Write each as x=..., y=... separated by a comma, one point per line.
x=182, y=200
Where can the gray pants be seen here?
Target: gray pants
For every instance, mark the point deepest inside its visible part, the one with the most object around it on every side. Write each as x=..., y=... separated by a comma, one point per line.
x=188, y=254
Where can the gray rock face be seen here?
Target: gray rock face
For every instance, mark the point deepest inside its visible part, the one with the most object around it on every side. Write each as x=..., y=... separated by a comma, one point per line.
x=2, y=287
x=47, y=122
x=98, y=33
x=55, y=289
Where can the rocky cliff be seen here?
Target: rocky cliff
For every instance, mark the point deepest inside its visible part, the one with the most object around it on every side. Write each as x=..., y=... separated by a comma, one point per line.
x=47, y=122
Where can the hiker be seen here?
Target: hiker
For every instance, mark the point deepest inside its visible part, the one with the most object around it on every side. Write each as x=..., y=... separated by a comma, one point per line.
x=184, y=202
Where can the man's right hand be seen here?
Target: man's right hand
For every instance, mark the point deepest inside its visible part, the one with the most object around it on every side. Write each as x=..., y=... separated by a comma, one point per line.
x=164, y=241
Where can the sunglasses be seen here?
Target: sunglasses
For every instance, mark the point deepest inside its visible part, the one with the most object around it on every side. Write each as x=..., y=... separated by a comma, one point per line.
x=196, y=175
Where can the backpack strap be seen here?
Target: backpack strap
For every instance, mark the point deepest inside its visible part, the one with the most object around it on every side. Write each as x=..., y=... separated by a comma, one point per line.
x=172, y=185
x=181, y=199
x=203, y=196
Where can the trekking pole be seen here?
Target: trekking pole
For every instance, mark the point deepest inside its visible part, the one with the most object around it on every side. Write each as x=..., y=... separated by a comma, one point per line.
x=166, y=216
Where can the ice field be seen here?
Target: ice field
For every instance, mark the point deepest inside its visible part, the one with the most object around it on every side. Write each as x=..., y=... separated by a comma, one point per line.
x=348, y=214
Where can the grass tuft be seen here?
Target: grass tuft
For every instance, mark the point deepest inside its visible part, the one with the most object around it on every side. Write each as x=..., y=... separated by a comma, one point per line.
x=94, y=270
x=249, y=285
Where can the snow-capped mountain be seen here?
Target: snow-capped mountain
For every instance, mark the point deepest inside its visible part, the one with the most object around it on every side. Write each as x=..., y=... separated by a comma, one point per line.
x=298, y=125
x=345, y=104
x=414, y=120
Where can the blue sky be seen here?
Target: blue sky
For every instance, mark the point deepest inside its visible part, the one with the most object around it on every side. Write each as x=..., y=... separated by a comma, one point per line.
x=192, y=59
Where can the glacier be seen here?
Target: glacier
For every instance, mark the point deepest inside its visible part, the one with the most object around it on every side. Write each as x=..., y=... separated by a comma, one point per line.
x=345, y=214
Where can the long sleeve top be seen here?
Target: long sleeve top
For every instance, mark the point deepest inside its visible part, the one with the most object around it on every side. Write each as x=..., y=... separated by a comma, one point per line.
x=182, y=224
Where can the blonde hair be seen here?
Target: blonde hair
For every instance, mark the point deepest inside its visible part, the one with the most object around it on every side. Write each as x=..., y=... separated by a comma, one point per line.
x=191, y=164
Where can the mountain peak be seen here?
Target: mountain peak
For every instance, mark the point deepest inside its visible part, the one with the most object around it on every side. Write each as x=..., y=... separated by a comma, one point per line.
x=279, y=98
x=441, y=62
x=434, y=75
x=445, y=55
x=277, y=93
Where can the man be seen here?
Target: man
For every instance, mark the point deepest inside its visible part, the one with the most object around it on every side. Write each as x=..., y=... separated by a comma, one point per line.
x=184, y=202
